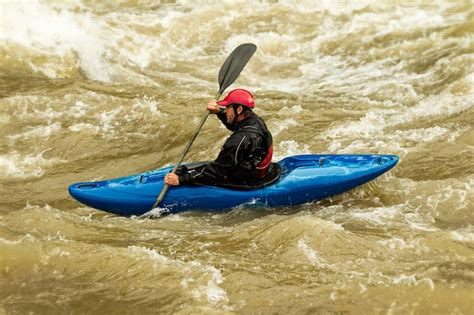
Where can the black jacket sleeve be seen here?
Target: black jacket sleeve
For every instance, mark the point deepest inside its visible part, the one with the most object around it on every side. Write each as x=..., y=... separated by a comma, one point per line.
x=218, y=170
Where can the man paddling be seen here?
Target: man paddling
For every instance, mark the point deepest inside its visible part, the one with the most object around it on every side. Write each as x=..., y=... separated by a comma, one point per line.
x=246, y=154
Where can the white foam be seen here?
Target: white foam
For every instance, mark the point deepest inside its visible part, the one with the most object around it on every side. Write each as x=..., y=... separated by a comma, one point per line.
x=170, y=17
x=27, y=238
x=416, y=19
x=378, y=215
x=4, y=118
x=84, y=126
x=367, y=145
x=79, y=109
x=313, y=256
x=371, y=124
x=370, y=130
x=289, y=147
x=268, y=43
x=376, y=120
x=58, y=236
x=422, y=135
x=155, y=213
x=334, y=7
x=456, y=194
x=20, y=166
x=152, y=254
x=283, y=125
x=51, y=32
x=149, y=104
x=106, y=124
x=402, y=279
x=419, y=222
x=212, y=290
x=396, y=243
x=107, y=119
x=38, y=132
x=59, y=252
x=295, y=109
x=463, y=235
x=412, y=281
x=444, y=105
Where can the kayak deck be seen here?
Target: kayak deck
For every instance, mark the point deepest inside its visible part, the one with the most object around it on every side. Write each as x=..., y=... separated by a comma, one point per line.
x=304, y=178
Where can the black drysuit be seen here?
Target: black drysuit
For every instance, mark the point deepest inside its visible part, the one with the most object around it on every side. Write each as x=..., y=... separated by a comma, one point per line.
x=246, y=147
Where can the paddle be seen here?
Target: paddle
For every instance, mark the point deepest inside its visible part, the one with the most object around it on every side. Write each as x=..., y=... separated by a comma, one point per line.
x=229, y=72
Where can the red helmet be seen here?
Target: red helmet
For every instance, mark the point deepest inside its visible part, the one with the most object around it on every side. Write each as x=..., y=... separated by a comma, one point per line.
x=238, y=96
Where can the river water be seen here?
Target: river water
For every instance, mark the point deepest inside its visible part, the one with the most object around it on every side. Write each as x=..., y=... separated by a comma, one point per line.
x=95, y=90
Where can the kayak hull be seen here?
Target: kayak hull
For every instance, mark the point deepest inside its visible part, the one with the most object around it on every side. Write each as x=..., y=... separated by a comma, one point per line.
x=304, y=178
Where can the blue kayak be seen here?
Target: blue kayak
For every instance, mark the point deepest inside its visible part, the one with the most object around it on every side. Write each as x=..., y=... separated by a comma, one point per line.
x=304, y=178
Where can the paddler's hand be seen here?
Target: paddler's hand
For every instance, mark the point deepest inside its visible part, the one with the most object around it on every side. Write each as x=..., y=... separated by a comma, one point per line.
x=172, y=179
x=212, y=107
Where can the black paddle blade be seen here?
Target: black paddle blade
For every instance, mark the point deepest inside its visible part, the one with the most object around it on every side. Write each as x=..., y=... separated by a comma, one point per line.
x=234, y=64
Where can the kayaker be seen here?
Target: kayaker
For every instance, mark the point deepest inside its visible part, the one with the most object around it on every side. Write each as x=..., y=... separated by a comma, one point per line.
x=246, y=154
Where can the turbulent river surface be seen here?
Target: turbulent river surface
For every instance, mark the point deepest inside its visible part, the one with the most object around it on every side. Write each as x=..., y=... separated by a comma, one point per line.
x=93, y=90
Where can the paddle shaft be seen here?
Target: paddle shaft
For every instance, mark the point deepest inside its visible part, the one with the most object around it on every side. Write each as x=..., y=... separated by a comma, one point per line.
x=228, y=73
x=183, y=155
